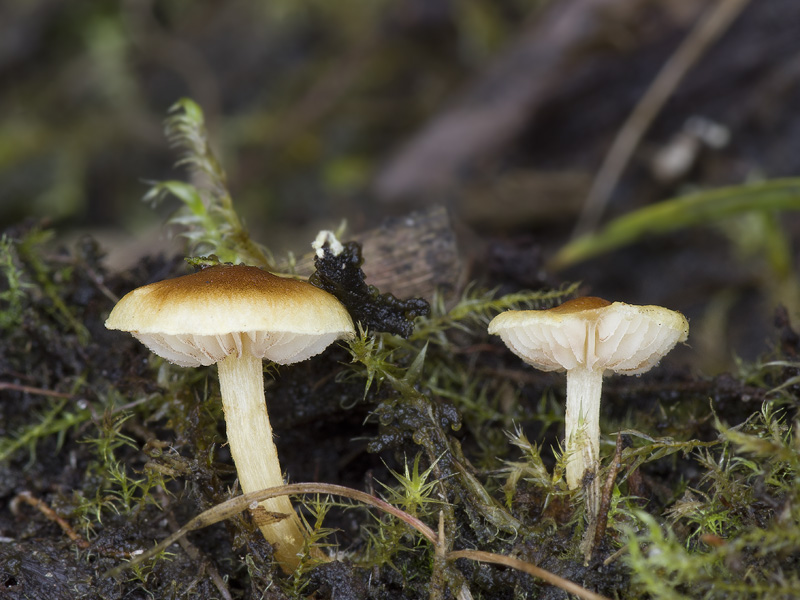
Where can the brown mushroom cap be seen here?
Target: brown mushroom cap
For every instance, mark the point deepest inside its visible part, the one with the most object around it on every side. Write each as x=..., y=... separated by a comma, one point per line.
x=592, y=333
x=201, y=318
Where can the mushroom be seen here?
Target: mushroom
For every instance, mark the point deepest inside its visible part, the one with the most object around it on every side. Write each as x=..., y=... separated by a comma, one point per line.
x=586, y=337
x=235, y=316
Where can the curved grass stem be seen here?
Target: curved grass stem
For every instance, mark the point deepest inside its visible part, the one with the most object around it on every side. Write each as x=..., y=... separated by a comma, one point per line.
x=238, y=504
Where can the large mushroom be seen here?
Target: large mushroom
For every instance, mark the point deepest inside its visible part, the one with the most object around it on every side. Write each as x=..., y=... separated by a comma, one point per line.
x=236, y=316
x=588, y=337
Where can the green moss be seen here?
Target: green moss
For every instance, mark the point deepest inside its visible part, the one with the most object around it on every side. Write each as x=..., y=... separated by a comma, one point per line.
x=734, y=536
x=120, y=443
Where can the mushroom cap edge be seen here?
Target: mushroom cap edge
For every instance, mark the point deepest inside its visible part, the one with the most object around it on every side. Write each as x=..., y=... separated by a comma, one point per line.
x=202, y=317
x=592, y=333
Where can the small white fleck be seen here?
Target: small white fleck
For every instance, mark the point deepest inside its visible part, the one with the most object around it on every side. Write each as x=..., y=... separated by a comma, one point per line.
x=253, y=505
x=327, y=237
x=137, y=552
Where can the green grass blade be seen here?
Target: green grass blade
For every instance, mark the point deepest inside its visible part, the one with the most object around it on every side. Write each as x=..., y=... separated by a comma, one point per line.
x=679, y=213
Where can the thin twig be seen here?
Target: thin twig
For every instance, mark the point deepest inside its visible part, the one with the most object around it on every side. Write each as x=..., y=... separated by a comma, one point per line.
x=32, y=390
x=48, y=512
x=499, y=559
x=97, y=279
x=605, y=499
x=238, y=504
x=707, y=30
x=615, y=556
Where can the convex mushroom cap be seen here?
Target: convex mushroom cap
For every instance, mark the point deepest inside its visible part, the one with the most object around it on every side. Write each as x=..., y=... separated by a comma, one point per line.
x=201, y=318
x=592, y=333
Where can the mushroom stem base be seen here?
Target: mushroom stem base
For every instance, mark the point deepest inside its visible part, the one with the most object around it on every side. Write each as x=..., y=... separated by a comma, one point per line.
x=250, y=441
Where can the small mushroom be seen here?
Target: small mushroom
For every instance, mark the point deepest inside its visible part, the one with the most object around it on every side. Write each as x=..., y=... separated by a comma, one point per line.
x=235, y=316
x=586, y=337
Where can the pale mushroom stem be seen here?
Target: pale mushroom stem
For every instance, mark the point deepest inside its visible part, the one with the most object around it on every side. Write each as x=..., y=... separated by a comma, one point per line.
x=249, y=436
x=582, y=422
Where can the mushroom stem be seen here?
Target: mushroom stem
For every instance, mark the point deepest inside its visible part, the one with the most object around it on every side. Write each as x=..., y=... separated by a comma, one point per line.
x=582, y=422
x=241, y=381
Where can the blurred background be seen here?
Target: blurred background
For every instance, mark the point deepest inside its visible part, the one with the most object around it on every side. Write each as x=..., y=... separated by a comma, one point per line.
x=500, y=110
x=304, y=100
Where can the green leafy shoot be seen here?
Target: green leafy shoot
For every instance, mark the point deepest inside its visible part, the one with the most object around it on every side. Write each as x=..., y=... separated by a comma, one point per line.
x=316, y=508
x=207, y=217
x=686, y=211
x=386, y=539
x=55, y=421
x=373, y=360
x=414, y=490
x=413, y=494
x=773, y=440
x=110, y=437
x=117, y=490
x=140, y=572
x=657, y=448
x=531, y=468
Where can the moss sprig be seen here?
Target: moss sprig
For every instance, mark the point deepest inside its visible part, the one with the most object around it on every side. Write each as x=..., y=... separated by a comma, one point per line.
x=15, y=287
x=57, y=420
x=207, y=217
x=729, y=536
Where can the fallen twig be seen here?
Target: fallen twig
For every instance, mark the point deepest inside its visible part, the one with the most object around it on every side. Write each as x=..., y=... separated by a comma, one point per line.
x=499, y=559
x=48, y=512
x=605, y=499
x=240, y=503
x=4, y=385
